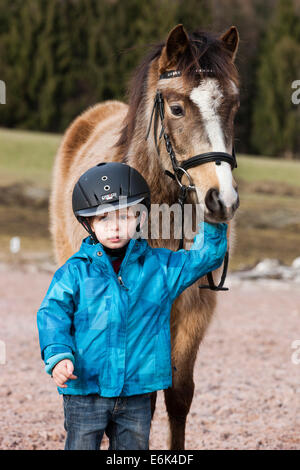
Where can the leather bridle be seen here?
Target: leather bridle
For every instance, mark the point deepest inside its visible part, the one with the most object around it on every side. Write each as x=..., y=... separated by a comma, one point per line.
x=181, y=168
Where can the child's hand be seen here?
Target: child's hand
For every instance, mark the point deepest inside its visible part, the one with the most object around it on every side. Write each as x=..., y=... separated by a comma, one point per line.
x=62, y=372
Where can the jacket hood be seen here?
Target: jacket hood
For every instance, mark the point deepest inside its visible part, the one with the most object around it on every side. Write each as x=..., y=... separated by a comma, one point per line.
x=90, y=251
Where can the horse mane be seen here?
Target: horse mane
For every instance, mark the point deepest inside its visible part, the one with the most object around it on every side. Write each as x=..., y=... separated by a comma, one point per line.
x=206, y=51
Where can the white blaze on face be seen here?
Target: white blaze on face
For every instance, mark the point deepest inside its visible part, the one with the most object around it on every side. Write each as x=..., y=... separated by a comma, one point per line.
x=208, y=97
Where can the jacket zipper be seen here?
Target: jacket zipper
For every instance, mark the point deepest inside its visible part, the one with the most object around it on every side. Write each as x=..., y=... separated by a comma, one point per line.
x=122, y=283
x=124, y=261
x=118, y=276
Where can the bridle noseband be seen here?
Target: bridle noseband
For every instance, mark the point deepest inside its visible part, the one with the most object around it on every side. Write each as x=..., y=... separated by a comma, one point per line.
x=181, y=168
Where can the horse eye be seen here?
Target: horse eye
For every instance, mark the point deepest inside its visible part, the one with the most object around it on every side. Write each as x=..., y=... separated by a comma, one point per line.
x=177, y=110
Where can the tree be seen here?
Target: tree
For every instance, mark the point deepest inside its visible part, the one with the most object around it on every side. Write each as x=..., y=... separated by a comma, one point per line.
x=276, y=120
x=59, y=57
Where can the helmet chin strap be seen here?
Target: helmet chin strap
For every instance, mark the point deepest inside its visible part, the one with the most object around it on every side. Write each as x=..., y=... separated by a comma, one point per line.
x=138, y=227
x=86, y=225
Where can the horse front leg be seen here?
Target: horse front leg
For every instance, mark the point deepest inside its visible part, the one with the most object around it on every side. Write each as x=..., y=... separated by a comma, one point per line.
x=188, y=327
x=178, y=401
x=153, y=398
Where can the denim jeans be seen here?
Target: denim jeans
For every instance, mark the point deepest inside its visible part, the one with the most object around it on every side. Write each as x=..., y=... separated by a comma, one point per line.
x=125, y=420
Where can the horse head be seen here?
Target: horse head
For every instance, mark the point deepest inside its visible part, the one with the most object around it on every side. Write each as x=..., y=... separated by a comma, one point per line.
x=196, y=81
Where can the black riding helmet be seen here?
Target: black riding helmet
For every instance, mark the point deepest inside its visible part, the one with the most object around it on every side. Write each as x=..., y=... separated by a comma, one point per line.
x=106, y=187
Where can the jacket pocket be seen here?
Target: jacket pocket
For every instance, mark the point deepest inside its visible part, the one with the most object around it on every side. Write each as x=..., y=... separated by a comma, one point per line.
x=163, y=354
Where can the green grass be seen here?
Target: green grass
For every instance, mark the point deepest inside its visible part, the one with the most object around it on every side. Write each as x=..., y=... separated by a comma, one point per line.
x=268, y=226
x=256, y=168
x=27, y=156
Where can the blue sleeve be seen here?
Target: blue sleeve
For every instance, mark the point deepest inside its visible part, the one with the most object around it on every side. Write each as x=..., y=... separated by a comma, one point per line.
x=53, y=360
x=184, y=267
x=55, y=315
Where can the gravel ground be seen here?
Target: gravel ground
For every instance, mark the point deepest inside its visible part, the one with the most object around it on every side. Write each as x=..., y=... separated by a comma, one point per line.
x=247, y=393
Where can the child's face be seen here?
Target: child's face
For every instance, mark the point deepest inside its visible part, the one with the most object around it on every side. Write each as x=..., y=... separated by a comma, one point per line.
x=114, y=229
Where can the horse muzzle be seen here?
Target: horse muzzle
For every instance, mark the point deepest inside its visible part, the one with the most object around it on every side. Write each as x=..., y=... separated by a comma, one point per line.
x=215, y=208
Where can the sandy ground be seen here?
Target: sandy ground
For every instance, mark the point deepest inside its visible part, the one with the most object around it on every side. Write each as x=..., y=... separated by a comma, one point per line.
x=247, y=388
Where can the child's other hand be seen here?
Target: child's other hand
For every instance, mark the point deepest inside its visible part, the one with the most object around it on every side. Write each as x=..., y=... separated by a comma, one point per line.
x=62, y=372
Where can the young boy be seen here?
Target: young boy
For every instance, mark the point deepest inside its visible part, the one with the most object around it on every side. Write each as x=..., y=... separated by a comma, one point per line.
x=104, y=324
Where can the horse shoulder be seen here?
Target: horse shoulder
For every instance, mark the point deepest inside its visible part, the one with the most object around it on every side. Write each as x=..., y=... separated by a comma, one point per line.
x=81, y=129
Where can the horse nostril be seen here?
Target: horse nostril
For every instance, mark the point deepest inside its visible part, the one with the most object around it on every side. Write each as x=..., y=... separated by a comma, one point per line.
x=212, y=201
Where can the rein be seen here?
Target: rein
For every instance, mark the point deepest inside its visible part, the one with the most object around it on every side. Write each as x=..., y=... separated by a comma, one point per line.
x=182, y=167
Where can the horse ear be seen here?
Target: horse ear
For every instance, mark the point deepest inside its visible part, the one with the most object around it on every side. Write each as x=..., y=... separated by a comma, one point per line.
x=231, y=41
x=176, y=45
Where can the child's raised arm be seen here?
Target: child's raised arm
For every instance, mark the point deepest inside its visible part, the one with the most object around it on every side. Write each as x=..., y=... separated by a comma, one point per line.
x=184, y=267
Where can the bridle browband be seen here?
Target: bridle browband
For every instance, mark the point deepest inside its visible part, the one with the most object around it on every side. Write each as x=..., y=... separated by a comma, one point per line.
x=182, y=167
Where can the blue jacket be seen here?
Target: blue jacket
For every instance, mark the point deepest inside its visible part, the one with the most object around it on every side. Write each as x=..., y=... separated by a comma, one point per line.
x=116, y=327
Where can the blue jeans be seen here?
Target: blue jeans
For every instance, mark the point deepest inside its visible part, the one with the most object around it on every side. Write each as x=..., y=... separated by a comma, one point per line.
x=125, y=420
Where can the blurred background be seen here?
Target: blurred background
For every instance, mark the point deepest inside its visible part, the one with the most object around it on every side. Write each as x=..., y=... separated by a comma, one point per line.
x=59, y=57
